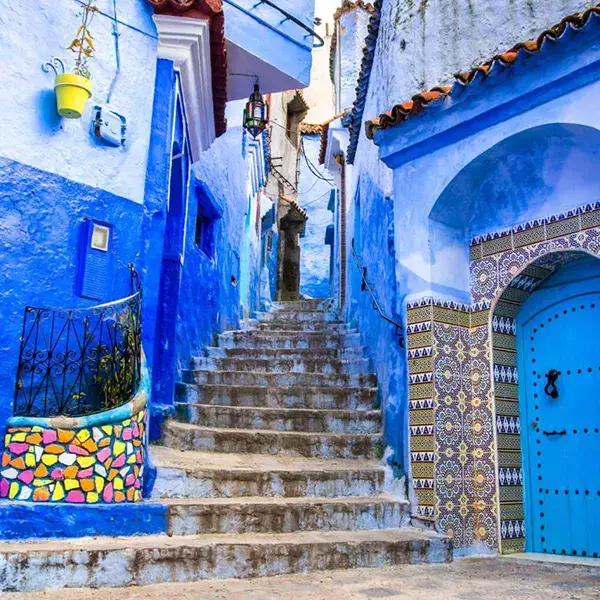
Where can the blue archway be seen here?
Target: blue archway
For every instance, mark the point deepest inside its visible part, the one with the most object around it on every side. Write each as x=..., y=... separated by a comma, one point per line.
x=538, y=172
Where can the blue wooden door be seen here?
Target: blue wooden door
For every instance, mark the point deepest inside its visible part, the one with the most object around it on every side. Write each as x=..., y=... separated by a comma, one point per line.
x=164, y=363
x=557, y=329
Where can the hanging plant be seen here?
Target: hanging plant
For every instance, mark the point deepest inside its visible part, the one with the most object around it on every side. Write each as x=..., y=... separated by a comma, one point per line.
x=74, y=89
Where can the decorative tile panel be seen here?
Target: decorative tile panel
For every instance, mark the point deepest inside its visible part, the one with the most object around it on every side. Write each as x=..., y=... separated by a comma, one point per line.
x=464, y=381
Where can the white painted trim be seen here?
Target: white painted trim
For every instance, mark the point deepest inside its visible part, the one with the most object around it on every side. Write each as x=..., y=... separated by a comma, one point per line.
x=187, y=43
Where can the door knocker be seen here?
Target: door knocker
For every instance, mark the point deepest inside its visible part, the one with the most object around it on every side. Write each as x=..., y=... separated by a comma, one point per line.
x=551, y=388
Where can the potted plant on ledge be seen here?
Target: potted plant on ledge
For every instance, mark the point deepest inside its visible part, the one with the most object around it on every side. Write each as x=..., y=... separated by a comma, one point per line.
x=74, y=89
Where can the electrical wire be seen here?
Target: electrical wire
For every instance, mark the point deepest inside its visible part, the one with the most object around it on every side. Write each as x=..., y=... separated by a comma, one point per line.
x=313, y=169
x=318, y=175
x=305, y=204
x=116, y=35
x=128, y=25
x=312, y=187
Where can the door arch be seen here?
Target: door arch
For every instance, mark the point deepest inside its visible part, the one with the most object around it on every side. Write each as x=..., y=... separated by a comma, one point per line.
x=558, y=361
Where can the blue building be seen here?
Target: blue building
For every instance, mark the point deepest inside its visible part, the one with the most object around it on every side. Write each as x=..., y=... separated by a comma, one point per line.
x=145, y=209
x=473, y=207
x=370, y=348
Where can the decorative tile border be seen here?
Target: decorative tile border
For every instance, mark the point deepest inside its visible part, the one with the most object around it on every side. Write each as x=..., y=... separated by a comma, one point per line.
x=463, y=381
x=536, y=227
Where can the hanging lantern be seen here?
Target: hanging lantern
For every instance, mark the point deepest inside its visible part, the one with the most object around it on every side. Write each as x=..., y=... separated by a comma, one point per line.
x=255, y=113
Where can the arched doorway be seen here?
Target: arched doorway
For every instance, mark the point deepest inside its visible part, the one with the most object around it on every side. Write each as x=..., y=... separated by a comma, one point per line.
x=558, y=360
x=547, y=424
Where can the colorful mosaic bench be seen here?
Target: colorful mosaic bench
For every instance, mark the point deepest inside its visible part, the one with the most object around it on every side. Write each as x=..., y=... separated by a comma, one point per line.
x=95, y=459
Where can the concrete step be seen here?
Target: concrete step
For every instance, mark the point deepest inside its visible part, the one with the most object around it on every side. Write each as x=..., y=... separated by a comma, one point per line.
x=314, y=304
x=284, y=515
x=349, y=353
x=296, y=326
x=254, y=379
x=289, y=339
x=306, y=364
x=295, y=316
x=301, y=314
x=118, y=562
x=186, y=436
x=280, y=419
x=344, y=398
x=212, y=475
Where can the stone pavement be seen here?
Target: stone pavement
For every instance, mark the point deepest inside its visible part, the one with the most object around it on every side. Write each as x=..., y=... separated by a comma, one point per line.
x=465, y=579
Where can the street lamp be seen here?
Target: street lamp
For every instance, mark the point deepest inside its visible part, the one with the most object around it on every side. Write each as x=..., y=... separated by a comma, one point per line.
x=256, y=113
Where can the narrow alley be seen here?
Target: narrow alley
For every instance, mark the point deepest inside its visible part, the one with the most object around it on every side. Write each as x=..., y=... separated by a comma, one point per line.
x=299, y=299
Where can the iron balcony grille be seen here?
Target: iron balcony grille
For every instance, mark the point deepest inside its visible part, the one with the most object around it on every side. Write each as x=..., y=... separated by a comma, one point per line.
x=81, y=361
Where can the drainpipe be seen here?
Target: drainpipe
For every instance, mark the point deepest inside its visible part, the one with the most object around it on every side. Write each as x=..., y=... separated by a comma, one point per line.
x=339, y=158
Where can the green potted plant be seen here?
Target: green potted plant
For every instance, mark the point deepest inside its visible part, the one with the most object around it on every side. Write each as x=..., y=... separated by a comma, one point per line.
x=74, y=89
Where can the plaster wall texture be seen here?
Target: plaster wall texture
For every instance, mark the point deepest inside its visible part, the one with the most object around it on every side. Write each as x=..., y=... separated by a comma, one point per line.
x=375, y=247
x=314, y=197
x=352, y=30
x=539, y=163
x=33, y=133
x=284, y=154
x=54, y=173
x=319, y=94
x=210, y=298
x=417, y=50
x=502, y=167
x=422, y=44
x=40, y=231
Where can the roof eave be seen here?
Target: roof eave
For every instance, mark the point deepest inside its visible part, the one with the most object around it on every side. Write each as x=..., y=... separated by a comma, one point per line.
x=503, y=93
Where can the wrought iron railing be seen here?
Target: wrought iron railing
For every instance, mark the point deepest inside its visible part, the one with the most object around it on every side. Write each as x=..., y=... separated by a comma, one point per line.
x=79, y=362
x=366, y=286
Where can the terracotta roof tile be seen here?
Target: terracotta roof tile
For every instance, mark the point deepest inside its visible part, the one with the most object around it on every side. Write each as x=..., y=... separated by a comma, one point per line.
x=325, y=133
x=298, y=103
x=347, y=6
x=311, y=128
x=295, y=205
x=210, y=7
x=399, y=113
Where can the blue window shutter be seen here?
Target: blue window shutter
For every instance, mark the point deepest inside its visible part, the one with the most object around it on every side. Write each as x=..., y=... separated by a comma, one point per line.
x=94, y=260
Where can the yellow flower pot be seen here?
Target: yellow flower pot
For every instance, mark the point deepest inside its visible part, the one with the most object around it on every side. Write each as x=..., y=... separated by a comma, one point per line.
x=72, y=92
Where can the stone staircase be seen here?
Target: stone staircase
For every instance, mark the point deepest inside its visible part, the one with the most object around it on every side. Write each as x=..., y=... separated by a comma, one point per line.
x=276, y=448
x=271, y=466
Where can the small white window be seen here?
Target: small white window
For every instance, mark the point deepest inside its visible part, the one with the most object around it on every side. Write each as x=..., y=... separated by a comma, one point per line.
x=100, y=236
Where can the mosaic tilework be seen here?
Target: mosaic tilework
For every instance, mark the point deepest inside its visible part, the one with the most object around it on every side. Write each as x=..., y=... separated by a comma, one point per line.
x=421, y=360
x=103, y=464
x=464, y=381
x=465, y=486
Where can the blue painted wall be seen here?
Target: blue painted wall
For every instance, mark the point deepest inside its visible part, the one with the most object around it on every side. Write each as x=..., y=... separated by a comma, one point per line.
x=32, y=132
x=22, y=520
x=39, y=235
x=352, y=31
x=263, y=42
x=211, y=298
x=54, y=173
x=370, y=223
x=525, y=177
x=314, y=197
x=155, y=198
